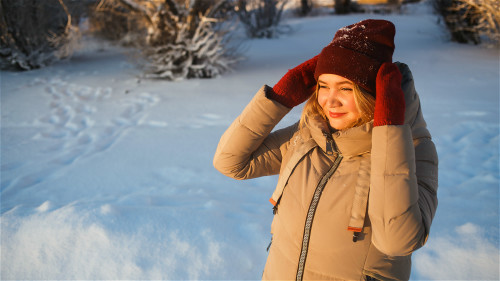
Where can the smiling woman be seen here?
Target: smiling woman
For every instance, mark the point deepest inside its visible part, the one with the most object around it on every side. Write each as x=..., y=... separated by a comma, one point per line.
x=338, y=215
x=336, y=98
x=344, y=104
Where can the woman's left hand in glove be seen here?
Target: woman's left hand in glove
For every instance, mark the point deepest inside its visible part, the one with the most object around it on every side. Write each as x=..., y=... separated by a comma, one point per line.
x=390, y=101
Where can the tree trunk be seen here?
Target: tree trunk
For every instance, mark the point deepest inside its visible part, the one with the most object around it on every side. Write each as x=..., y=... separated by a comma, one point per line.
x=305, y=7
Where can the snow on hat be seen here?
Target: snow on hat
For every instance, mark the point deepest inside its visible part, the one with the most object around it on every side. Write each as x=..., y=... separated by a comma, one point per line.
x=357, y=52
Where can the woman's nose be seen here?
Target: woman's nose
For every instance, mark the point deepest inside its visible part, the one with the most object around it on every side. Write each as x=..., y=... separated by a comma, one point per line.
x=333, y=99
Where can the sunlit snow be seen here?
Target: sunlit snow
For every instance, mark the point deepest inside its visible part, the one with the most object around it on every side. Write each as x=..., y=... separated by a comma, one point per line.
x=105, y=175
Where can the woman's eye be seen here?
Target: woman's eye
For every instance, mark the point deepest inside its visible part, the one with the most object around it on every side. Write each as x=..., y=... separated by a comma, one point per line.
x=346, y=89
x=322, y=87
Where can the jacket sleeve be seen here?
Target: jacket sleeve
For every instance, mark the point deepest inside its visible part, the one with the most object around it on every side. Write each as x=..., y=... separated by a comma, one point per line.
x=404, y=182
x=248, y=149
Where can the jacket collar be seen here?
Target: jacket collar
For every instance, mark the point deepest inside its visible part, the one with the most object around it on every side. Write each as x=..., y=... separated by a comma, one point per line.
x=351, y=142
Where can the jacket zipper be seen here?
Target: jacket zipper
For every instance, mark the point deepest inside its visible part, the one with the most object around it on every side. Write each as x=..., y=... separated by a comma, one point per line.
x=312, y=208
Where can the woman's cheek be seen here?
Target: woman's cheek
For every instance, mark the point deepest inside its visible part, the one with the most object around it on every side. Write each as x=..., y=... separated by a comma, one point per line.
x=321, y=99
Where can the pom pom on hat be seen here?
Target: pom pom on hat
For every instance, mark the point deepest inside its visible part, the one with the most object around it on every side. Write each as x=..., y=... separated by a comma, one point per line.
x=357, y=52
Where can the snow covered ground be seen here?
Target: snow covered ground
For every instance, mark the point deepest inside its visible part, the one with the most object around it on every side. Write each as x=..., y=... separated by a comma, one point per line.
x=108, y=176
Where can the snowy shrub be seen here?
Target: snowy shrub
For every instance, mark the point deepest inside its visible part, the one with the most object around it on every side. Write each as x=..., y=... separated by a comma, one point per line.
x=261, y=18
x=471, y=20
x=34, y=33
x=178, y=39
x=192, y=42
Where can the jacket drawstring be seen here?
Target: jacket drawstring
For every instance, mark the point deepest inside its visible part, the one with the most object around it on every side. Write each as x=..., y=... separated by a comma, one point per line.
x=360, y=200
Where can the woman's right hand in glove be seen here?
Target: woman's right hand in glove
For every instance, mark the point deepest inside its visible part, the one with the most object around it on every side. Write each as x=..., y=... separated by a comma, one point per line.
x=296, y=86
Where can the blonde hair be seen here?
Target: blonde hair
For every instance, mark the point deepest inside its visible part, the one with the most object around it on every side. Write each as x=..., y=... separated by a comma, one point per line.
x=365, y=103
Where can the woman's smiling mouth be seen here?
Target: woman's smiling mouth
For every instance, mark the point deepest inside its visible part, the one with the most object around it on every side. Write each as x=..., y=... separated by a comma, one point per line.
x=336, y=114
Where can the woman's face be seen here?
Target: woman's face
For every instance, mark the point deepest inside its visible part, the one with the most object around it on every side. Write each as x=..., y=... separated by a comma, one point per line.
x=336, y=97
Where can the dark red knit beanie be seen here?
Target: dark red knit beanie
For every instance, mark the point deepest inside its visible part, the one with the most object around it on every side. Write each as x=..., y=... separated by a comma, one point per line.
x=357, y=52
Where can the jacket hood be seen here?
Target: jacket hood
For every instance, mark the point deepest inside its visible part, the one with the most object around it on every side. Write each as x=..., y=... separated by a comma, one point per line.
x=413, y=114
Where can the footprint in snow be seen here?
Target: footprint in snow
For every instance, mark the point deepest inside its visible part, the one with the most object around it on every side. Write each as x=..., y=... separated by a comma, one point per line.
x=70, y=128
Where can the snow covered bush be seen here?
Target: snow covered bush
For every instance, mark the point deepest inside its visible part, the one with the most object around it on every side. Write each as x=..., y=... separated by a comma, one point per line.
x=34, y=33
x=192, y=42
x=178, y=39
x=261, y=18
x=473, y=21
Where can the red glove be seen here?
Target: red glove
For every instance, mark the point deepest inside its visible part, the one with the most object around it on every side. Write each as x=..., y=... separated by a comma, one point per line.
x=296, y=86
x=390, y=100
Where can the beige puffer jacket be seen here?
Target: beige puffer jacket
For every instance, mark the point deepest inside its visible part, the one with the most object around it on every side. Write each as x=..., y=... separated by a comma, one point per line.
x=326, y=227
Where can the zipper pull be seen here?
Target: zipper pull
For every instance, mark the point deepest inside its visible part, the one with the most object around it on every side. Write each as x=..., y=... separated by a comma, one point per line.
x=329, y=144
